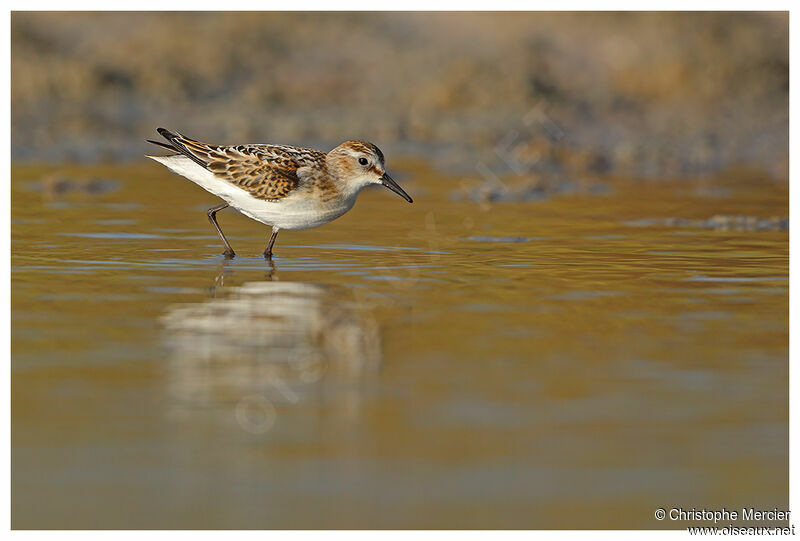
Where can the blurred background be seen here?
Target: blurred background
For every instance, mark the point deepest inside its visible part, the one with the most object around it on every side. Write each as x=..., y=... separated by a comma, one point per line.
x=582, y=318
x=638, y=94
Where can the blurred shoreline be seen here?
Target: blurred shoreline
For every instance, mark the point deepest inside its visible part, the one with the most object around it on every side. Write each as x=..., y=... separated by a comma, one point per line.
x=642, y=95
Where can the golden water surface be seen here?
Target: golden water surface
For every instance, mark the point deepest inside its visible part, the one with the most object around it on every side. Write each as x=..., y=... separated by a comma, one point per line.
x=555, y=364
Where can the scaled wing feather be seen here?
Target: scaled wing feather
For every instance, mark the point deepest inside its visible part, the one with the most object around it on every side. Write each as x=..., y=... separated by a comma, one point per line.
x=268, y=172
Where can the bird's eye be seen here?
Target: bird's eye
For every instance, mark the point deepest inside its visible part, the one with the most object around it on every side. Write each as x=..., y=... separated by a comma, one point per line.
x=363, y=161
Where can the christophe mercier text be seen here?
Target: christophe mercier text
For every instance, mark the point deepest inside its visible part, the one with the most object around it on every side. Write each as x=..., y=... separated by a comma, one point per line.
x=726, y=515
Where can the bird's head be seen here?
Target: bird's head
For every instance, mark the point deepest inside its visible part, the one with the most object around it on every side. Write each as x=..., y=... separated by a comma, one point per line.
x=358, y=164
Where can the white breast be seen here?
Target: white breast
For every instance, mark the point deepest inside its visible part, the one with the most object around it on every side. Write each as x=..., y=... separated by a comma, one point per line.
x=298, y=210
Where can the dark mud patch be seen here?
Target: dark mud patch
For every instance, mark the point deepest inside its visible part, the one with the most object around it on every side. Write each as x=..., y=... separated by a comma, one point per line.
x=526, y=189
x=56, y=185
x=720, y=222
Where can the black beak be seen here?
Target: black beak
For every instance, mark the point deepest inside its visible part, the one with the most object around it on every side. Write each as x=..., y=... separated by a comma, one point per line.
x=389, y=182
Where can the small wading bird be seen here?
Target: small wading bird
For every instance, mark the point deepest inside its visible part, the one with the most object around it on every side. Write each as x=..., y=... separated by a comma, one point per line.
x=281, y=186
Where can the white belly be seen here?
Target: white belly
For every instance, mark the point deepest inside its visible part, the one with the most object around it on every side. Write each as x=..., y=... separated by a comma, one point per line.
x=295, y=211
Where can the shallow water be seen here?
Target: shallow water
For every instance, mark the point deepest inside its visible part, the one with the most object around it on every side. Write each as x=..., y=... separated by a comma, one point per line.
x=567, y=363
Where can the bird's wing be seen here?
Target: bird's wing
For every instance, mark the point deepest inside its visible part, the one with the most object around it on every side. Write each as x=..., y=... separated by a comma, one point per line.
x=268, y=172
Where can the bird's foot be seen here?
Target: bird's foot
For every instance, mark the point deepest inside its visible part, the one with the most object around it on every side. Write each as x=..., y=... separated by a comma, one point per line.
x=229, y=254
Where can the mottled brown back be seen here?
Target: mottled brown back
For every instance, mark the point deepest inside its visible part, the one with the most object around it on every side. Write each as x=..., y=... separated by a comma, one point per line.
x=268, y=172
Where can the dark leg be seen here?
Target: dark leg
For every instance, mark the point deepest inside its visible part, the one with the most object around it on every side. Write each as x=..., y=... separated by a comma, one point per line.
x=270, y=274
x=212, y=217
x=268, y=251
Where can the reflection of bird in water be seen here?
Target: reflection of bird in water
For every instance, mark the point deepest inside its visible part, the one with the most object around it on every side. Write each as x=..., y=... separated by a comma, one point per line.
x=276, y=341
